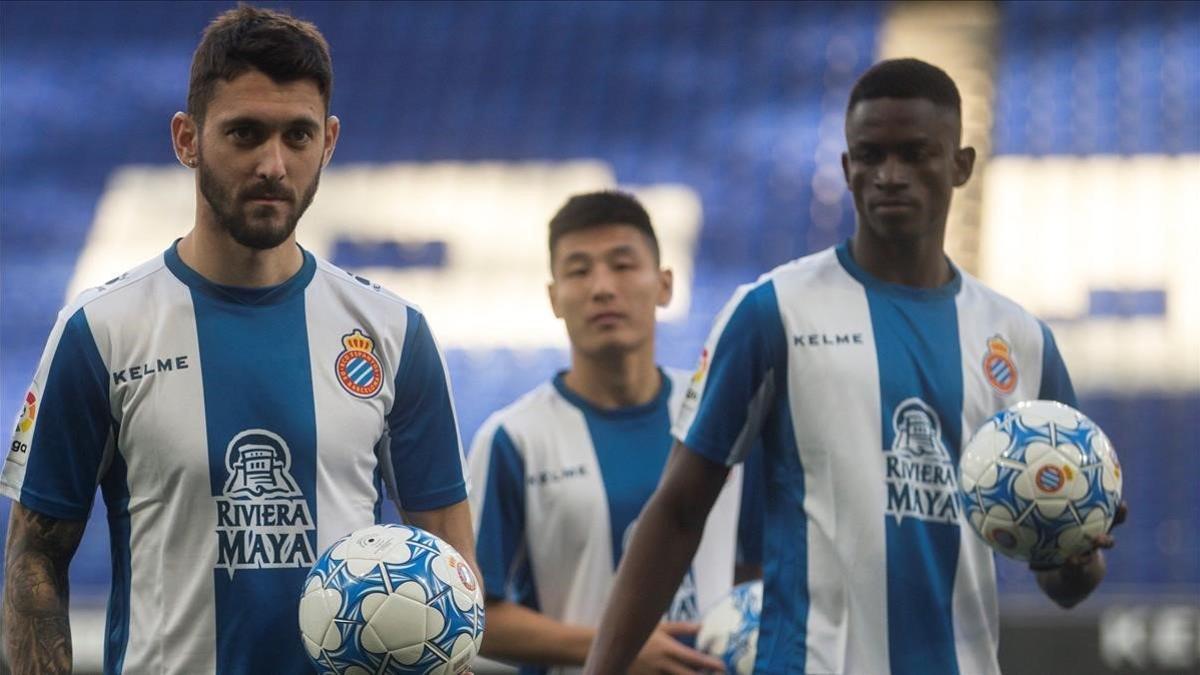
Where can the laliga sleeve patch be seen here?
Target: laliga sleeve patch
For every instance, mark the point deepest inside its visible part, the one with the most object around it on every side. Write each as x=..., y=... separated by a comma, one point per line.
x=18, y=452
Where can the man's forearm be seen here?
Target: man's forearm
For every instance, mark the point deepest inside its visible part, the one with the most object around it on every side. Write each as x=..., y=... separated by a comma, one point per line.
x=37, y=632
x=516, y=633
x=453, y=525
x=661, y=550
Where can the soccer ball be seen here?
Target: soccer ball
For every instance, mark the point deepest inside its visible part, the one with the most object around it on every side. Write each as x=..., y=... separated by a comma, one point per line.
x=391, y=599
x=1037, y=479
x=729, y=630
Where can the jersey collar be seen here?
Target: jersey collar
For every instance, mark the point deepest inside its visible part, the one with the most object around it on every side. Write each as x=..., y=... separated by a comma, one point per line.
x=238, y=295
x=946, y=290
x=660, y=400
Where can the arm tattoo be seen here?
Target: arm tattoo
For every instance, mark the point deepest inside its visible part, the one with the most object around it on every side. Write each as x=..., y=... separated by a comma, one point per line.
x=37, y=633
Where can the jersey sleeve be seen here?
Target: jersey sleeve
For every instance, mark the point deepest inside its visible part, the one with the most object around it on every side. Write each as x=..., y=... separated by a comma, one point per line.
x=425, y=449
x=753, y=509
x=498, y=507
x=1056, y=382
x=736, y=382
x=65, y=429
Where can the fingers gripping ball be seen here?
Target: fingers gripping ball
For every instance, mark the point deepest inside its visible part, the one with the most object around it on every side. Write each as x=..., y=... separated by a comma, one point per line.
x=1038, y=480
x=391, y=599
x=729, y=630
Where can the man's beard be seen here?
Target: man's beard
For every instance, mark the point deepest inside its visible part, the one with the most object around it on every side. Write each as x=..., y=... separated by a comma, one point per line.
x=250, y=232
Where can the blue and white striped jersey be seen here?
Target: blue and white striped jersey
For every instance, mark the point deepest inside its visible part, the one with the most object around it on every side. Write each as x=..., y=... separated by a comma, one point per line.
x=864, y=393
x=235, y=433
x=557, y=486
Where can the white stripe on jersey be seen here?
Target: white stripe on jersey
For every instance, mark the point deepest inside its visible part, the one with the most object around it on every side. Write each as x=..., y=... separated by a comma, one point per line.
x=843, y=493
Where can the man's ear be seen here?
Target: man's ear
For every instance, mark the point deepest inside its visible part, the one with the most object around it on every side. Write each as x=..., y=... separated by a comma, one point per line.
x=333, y=127
x=666, y=286
x=185, y=138
x=964, y=164
x=550, y=293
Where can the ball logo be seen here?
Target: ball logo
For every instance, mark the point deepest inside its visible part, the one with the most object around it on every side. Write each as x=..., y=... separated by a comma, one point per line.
x=357, y=367
x=1050, y=478
x=464, y=572
x=998, y=367
x=1004, y=538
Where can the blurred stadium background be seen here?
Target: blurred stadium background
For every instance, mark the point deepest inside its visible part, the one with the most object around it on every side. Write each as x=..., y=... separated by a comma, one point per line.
x=466, y=124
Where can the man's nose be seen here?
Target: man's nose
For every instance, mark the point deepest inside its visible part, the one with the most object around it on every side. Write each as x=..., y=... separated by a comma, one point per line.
x=271, y=166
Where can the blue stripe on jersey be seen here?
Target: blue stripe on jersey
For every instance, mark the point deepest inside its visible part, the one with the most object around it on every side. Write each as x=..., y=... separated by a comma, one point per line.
x=257, y=378
x=74, y=418
x=423, y=433
x=500, y=548
x=377, y=481
x=783, y=632
x=116, y=497
x=753, y=508
x=751, y=347
x=631, y=446
x=502, y=517
x=1056, y=383
x=919, y=356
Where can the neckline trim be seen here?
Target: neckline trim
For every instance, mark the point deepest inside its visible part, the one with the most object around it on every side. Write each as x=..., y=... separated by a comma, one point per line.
x=946, y=290
x=240, y=295
x=659, y=400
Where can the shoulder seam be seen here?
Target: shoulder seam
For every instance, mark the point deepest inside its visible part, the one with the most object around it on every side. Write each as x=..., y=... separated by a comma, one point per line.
x=328, y=268
x=80, y=302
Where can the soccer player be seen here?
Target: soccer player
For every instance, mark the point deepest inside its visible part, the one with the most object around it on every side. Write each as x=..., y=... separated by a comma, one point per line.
x=861, y=367
x=240, y=403
x=560, y=476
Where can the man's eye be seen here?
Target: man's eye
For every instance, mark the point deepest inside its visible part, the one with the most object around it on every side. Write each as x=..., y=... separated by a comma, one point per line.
x=242, y=134
x=299, y=136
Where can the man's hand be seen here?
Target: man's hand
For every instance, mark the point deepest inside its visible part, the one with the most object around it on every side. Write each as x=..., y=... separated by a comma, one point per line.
x=1080, y=574
x=664, y=653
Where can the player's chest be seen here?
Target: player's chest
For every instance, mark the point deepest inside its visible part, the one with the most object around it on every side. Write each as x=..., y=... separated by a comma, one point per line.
x=182, y=413
x=577, y=473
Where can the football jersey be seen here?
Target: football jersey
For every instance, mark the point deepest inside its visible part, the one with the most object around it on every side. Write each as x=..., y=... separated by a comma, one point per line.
x=558, y=485
x=864, y=393
x=235, y=433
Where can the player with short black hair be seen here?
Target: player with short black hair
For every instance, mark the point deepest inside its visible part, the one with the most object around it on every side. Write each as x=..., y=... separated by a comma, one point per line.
x=862, y=369
x=591, y=209
x=240, y=403
x=560, y=476
x=907, y=79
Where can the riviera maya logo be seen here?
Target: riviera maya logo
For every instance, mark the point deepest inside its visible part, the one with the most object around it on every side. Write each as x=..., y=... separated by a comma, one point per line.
x=998, y=367
x=920, y=474
x=358, y=368
x=263, y=520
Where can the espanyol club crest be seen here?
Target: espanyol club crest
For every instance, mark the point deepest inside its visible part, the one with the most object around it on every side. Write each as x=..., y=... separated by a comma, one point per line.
x=357, y=367
x=998, y=368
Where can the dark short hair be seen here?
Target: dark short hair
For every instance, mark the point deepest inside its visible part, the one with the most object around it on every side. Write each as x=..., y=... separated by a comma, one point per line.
x=282, y=47
x=595, y=209
x=906, y=78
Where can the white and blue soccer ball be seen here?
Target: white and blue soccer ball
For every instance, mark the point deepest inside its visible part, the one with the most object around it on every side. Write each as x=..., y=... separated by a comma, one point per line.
x=1038, y=479
x=391, y=599
x=729, y=630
